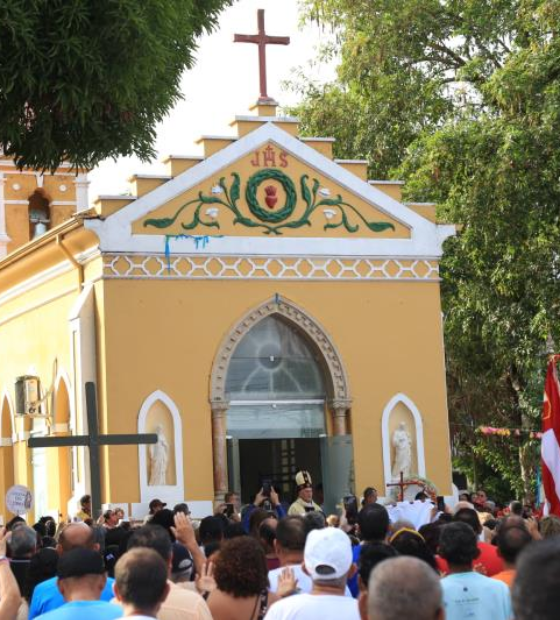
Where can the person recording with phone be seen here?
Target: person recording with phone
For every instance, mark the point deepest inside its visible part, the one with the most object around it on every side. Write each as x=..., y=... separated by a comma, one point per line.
x=230, y=507
x=266, y=499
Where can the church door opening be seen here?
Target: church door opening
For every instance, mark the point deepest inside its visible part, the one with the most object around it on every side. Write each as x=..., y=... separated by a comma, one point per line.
x=277, y=401
x=275, y=460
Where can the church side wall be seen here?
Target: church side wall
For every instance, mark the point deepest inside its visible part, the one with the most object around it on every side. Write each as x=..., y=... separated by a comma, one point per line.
x=164, y=335
x=33, y=334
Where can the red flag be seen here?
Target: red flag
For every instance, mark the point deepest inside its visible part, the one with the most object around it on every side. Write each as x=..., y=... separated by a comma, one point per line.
x=550, y=447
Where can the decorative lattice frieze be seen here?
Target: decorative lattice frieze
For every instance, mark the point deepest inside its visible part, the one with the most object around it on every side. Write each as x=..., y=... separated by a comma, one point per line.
x=133, y=266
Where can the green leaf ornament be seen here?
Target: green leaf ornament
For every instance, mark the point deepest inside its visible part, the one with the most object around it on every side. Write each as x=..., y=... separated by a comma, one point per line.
x=270, y=221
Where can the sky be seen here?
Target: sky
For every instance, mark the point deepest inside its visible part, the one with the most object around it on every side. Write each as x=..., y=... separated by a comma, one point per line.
x=223, y=83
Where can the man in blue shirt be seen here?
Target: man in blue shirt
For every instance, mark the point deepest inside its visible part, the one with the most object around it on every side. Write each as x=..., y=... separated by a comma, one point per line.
x=467, y=594
x=81, y=579
x=46, y=596
x=260, y=499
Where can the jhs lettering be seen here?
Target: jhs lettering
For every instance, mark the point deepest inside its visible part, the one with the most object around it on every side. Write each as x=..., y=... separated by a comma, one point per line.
x=270, y=158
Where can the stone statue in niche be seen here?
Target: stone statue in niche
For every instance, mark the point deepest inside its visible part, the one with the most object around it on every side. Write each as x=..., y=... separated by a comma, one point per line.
x=159, y=459
x=402, y=443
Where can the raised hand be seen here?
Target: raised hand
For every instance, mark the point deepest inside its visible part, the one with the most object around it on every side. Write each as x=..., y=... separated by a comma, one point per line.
x=259, y=498
x=274, y=498
x=287, y=583
x=533, y=526
x=183, y=530
x=205, y=582
x=220, y=508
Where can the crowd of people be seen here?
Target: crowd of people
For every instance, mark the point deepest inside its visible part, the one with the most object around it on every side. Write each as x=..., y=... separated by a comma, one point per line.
x=285, y=562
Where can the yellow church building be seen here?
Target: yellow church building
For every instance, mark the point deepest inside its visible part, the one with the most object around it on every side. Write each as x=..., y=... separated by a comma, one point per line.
x=263, y=307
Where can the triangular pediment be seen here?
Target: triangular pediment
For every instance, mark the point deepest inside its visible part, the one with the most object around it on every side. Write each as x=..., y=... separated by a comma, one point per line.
x=267, y=184
x=270, y=191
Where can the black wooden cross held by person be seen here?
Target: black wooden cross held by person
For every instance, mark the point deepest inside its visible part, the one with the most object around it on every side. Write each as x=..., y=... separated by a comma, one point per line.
x=262, y=40
x=93, y=440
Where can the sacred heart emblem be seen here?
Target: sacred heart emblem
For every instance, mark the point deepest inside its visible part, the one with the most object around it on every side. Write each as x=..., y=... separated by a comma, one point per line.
x=271, y=198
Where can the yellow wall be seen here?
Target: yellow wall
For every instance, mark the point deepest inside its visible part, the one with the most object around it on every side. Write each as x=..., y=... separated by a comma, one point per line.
x=164, y=335
x=34, y=329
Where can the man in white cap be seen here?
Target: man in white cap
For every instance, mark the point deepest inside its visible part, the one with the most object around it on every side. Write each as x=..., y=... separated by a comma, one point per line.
x=328, y=561
x=304, y=503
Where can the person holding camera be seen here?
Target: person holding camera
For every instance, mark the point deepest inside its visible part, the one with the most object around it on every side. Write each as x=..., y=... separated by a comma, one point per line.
x=230, y=507
x=304, y=502
x=267, y=499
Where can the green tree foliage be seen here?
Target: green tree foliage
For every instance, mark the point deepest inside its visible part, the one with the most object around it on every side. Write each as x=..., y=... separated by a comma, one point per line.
x=82, y=81
x=406, y=66
x=486, y=149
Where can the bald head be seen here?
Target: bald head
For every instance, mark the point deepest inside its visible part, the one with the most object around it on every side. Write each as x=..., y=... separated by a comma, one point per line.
x=76, y=536
x=512, y=520
x=403, y=587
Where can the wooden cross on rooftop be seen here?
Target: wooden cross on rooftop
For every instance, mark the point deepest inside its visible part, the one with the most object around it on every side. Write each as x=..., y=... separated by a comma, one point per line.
x=262, y=40
x=93, y=440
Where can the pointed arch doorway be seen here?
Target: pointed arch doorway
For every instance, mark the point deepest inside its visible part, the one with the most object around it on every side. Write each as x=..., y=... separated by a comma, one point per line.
x=280, y=402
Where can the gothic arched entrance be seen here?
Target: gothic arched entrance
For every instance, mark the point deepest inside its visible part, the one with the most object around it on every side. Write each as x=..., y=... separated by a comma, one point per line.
x=278, y=390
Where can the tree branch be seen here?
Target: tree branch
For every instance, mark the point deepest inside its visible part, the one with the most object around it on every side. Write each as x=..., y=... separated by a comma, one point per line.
x=440, y=47
x=503, y=44
x=489, y=55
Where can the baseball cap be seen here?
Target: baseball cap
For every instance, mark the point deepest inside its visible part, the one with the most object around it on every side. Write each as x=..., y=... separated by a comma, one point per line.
x=80, y=562
x=182, y=564
x=156, y=502
x=328, y=554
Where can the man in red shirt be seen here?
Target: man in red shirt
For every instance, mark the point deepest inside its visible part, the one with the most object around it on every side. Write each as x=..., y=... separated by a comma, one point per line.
x=488, y=563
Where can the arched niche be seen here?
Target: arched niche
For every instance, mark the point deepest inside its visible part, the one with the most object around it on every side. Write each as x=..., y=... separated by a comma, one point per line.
x=39, y=213
x=62, y=413
x=401, y=409
x=7, y=475
x=159, y=410
x=7, y=434
x=61, y=462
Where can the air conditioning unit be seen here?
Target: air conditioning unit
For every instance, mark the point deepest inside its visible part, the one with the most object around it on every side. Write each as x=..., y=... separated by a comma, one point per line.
x=28, y=397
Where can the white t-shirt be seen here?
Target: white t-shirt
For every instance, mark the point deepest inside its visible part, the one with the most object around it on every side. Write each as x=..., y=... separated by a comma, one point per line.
x=314, y=607
x=304, y=582
x=476, y=597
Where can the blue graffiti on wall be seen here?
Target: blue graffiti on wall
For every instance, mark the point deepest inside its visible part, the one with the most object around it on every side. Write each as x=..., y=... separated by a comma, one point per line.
x=200, y=242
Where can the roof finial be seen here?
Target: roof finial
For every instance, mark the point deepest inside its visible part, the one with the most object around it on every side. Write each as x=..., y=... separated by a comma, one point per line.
x=262, y=40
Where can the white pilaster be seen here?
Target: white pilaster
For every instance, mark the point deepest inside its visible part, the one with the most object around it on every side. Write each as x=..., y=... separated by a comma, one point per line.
x=82, y=182
x=4, y=239
x=84, y=368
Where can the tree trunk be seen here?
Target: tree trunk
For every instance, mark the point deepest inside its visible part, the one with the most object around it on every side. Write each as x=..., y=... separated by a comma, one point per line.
x=527, y=465
x=526, y=454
